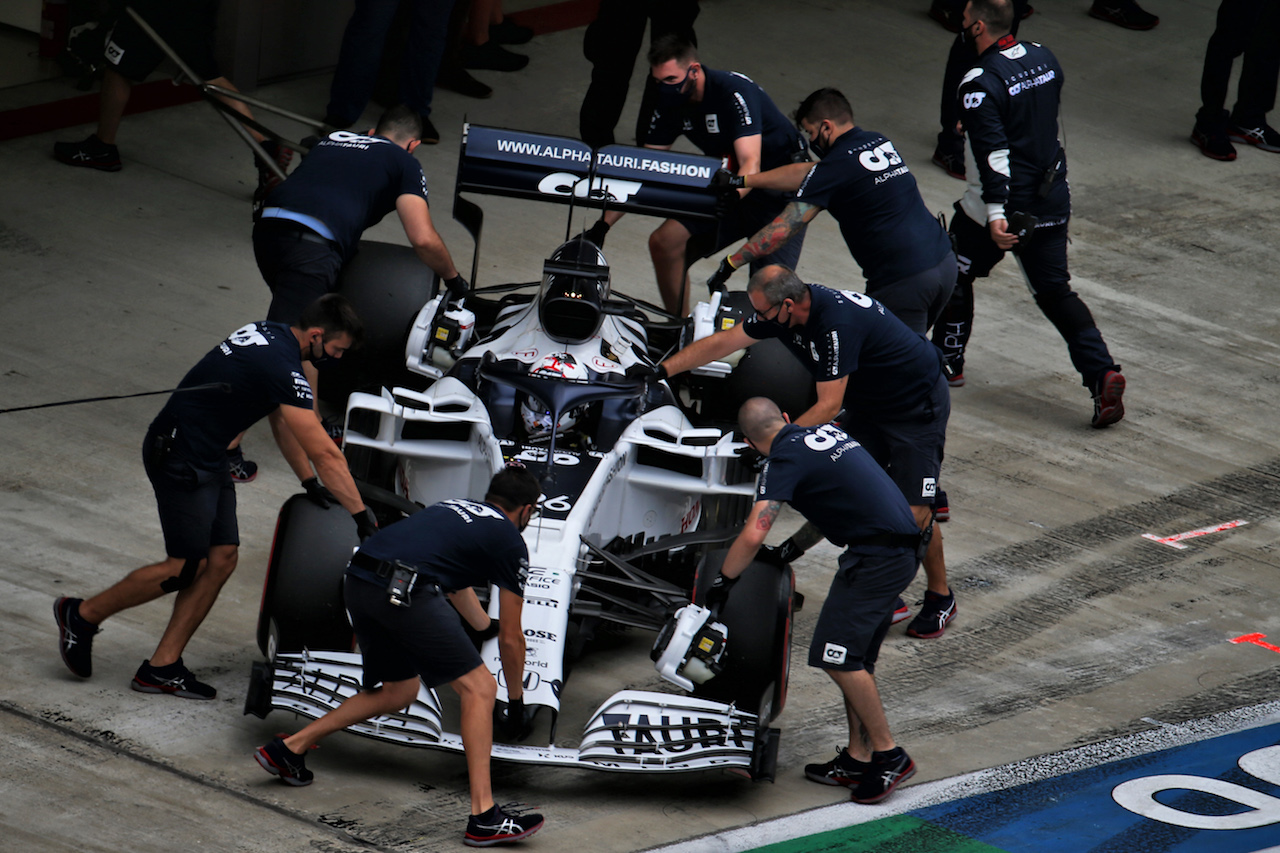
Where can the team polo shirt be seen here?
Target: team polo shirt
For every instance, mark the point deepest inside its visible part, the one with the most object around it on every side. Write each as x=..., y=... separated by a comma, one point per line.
x=833, y=482
x=871, y=193
x=891, y=369
x=455, y=543
x=349, y=182
x=259, y=368
x=732, y=107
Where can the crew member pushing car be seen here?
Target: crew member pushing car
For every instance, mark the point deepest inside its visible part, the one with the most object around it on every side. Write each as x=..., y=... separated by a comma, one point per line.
x=255, y=372
x=834, y=483
x=395, y=590
x=887, y=379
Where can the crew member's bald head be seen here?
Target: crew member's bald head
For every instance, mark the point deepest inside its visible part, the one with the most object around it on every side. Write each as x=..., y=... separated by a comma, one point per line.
x=760, y=419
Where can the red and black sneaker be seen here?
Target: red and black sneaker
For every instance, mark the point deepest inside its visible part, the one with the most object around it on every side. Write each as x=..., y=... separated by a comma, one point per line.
x=278, y=760
x=1108, y=399
x=886, y=772
x=497, y=827
x=843, y=770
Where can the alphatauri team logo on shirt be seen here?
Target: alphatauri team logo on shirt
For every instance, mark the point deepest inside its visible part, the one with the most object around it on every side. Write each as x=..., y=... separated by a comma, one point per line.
x=713, y=123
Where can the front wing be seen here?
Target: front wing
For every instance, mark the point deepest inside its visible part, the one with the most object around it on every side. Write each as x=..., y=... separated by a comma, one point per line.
x=637, y=731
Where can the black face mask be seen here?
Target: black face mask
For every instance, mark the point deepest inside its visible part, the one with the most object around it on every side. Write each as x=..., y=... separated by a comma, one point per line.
x=321, y=360
x=675, y=94
x=819, y=148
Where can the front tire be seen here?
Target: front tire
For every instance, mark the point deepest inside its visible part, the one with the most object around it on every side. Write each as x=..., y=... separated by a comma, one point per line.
x=758, y=616
x=302, y=605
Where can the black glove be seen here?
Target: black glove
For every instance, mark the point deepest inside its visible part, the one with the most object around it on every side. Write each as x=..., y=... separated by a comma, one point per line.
x=780, y=555
x=366, y=524
x=650, y=373
x=724, y=181
x=512, y=721
x=718, y=592
x=319, y=495
x=458, y=287
x=596, y=233
x=752, y=458
x=478, y=637
x=721, y=275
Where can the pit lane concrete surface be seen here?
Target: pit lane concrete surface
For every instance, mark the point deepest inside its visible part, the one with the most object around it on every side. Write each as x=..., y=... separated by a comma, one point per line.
x=1073, y=628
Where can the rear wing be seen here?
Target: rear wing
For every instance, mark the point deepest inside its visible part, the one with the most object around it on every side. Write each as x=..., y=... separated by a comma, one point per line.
x=541, y=167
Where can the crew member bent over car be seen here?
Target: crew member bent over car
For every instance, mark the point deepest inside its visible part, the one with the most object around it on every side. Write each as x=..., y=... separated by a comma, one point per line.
x=395, y=590
x=887, y=379
x=255, y=372
x=834, y=483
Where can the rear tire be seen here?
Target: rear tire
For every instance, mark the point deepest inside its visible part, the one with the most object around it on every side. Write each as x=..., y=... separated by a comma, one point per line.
x=302, y=604
x=758, y=616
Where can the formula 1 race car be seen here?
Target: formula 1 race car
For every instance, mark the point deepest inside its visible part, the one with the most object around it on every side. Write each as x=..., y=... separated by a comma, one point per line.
x=643, y=483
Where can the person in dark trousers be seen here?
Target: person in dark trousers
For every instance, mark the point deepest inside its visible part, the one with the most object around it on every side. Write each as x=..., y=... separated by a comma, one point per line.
x=726, y=115
x=611, y=44
x=886, y=379
x=904, y=252
x=831, y=480
x=363, y=42
x=256, y=372
x=414, y=637
x=1250, y=28
x=1019, y=201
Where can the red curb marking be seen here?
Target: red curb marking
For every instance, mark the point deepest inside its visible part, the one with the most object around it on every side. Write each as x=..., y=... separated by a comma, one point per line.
x=1255, y=639
x=1175, y=541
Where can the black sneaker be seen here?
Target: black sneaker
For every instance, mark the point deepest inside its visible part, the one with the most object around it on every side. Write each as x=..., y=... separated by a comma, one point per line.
x=935, y=612
x=497, y=827
x=1213, y=143
x=277, y=760
x=949, y=162
x=75, y=636
x=492, y=56
x=886, y=772
x=456, y=79
x=242, y=470
x=1264, y=137
x=92, y=153
x=174, y=679
x=843, y=770
x=1123, y=13
x=941, y=506
x=1108, y=399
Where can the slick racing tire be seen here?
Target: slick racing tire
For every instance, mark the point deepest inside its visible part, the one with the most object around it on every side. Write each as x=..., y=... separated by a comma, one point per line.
x=758, y=616
x=302, y=606
x=387, y=285
x=769, y=369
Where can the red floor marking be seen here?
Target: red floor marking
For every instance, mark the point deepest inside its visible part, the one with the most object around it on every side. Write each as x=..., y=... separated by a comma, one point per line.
x=1255, y=639
x=1175, y=541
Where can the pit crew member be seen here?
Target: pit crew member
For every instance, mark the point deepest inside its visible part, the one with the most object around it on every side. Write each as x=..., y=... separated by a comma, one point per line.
x=904, y=252
x=413, y=634
x=255, y=372
x=834, y=483
x=1020, y=200
x=724, y=114
x=887, y=379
